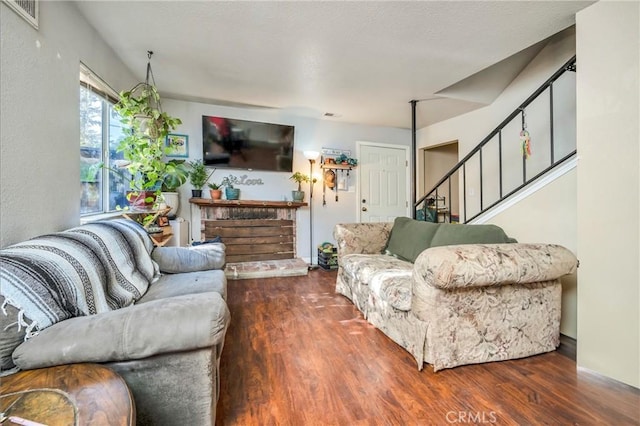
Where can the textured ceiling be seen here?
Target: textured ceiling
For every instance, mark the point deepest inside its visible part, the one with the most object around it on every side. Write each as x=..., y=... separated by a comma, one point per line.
x=363, y=61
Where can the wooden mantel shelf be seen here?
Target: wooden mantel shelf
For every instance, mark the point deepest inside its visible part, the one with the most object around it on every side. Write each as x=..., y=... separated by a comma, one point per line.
x=207, y=202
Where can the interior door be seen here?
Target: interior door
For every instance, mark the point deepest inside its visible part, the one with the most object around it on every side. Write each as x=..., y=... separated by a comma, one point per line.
x=384, y=182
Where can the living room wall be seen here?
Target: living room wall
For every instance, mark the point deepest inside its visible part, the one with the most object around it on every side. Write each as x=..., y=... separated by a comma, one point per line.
x=608, y=47
x=310, y=134
x=39, y=116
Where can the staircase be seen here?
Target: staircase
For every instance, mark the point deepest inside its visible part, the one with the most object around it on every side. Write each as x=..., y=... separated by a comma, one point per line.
x=532, y=142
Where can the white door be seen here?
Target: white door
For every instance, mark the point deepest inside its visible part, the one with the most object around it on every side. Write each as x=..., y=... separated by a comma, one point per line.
x=384, y=182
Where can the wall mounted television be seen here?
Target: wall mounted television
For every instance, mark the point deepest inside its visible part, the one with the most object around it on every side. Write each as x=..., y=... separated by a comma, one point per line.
x=243, y=144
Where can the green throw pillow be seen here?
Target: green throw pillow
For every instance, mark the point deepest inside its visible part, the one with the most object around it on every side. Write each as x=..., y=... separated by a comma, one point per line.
x=451, y=234
x=410, y=237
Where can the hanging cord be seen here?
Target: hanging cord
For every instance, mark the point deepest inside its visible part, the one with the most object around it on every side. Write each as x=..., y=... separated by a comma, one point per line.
x=149, y=70
x=150, y=74
x=525, y=139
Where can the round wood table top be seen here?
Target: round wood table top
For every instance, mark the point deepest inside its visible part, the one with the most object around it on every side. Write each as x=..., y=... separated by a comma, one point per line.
x=74, y=394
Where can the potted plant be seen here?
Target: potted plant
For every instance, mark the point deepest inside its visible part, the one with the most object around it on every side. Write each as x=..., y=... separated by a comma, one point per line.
x=143, y=147
x=346, y=160
x=175, y=176
x=215, y=191
x=299, y=178
x=90, y=185
x=198, y=177
x=229, y=191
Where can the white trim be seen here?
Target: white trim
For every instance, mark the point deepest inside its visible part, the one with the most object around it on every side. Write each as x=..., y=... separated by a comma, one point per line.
x=528, y=190
x=16, y=7
x=405, y=148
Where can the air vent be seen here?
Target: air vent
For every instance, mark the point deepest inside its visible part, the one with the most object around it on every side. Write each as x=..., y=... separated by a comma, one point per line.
x=28, y=9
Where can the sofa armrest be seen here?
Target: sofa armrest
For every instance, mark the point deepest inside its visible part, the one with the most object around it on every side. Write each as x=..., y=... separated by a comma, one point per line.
x=361, y=238
x=174, y=260
x=481, y=265
x=175, y=324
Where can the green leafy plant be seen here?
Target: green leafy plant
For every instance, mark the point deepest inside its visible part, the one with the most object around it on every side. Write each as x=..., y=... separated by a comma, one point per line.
x=89, y=172
x=198, y=174
x=299, y=178
x=229, y=181
x=343, y=159
x=175, y=176
x=143, y=147
x=214, y=185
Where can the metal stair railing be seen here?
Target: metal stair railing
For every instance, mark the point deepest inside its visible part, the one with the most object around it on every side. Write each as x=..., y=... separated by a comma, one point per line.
x=435, y=205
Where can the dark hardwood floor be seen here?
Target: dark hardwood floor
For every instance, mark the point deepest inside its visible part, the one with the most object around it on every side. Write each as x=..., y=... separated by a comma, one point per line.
x=296, y=353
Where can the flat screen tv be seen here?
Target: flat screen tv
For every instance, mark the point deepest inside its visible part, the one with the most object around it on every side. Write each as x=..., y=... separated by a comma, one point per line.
x=242, y=144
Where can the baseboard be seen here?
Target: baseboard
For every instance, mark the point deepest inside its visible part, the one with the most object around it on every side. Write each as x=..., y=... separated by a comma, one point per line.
x=567, y=346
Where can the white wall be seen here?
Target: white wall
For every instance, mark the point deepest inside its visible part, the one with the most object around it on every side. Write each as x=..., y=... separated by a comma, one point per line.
x=310, y=134
x=548, y=216
x=608, y=123
x=39, y=116
x=531, y=220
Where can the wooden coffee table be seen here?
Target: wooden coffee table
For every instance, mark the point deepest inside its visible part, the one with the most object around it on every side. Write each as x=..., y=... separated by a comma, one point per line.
x=74, y=394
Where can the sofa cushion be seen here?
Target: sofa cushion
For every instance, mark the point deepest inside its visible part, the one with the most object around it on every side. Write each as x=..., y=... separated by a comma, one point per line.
x=410, y=237
x=394, y=287
x=176, y=324
x=171, y=285
x=197, y=258
x=362, y=267
x=449, y=234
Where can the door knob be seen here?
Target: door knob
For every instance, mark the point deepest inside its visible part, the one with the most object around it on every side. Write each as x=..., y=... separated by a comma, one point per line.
x=364, y=201
x=364, y=209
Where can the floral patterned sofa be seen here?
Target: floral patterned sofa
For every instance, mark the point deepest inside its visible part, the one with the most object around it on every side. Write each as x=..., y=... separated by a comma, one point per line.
x=454, y=294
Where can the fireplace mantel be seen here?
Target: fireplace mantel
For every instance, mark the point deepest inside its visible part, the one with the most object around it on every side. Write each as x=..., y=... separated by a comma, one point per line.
x=207, y=202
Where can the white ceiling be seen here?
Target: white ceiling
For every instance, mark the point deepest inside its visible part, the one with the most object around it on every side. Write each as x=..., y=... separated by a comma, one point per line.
x=363, y=61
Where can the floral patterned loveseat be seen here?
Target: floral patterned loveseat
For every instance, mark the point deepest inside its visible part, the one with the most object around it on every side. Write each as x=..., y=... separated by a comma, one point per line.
x=467, y=302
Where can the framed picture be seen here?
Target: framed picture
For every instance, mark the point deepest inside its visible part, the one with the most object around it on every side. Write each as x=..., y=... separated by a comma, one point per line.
x=178, y=145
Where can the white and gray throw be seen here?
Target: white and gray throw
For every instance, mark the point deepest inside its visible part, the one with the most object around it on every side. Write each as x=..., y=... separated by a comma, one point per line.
x=86, y=270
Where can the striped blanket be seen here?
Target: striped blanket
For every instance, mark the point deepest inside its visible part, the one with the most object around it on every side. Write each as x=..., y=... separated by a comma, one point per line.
x=90, y=269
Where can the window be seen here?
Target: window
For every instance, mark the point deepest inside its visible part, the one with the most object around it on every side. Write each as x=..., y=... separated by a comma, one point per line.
x=102, y=185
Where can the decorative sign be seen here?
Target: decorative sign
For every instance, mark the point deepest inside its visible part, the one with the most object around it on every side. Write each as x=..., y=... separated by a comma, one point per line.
x=244, y=181
x=334, y=152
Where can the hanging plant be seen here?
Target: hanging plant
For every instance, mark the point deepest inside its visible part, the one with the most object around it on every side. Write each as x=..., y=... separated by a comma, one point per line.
x=143, y=147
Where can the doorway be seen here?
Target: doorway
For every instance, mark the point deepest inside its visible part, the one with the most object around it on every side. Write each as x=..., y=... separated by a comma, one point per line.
x=437, y=161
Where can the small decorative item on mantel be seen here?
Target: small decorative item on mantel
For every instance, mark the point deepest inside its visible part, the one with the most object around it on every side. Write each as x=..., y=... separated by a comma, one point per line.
x=298, y=178
x=198, y=177
x=346, y=160
x=215, y=191
x=229, y=191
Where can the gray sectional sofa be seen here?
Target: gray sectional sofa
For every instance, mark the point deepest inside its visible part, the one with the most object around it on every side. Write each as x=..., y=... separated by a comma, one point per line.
x=454, y=294
x=102, y=293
